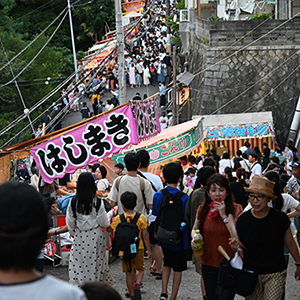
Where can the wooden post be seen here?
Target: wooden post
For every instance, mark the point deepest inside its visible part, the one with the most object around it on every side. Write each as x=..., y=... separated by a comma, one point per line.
x=174, y=88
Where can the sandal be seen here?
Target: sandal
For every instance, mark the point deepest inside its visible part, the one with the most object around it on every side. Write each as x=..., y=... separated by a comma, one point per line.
x=158, y=276
x=153, y=271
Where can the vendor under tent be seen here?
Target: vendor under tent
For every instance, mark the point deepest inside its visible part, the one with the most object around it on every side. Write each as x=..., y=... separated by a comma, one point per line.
x=229, y=132
x=169, y=144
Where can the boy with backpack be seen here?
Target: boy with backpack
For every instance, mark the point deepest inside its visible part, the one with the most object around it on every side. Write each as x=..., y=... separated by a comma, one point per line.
x=171, y=231
x=128, y=243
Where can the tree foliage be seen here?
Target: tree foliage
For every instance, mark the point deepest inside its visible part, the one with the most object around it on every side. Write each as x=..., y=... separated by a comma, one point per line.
x=20, y=22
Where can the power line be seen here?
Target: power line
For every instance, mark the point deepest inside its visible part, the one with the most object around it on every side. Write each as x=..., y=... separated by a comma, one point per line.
x=9, y=62
x=24, y=16
x=227, y=103
x=33, y=59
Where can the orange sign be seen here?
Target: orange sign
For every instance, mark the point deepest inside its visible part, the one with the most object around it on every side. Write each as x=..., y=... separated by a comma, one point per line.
x=132, y=6
x=183, y=95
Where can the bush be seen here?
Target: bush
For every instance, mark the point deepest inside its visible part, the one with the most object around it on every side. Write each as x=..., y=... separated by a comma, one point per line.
x=261, y=17
x=212, y=18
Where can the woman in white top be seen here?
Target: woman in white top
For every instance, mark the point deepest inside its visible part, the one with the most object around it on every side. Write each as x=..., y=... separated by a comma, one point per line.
x=225, y=162
x=86, y=217
x=102, y=183
x=146, y=75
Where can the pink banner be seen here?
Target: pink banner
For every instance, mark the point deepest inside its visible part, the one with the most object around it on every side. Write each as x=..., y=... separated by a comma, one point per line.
x=146, y=117
x=86, y=144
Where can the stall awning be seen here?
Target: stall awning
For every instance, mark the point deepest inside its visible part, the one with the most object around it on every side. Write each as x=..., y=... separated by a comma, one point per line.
x=230, y=131
x=170, y=144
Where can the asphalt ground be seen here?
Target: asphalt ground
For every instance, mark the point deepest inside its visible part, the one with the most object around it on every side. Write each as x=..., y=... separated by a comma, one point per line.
x=189, y=288
x=75, y=117
x=190, y=285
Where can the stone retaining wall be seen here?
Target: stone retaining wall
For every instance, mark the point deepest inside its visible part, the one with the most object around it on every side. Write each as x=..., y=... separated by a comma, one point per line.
x=246, y=79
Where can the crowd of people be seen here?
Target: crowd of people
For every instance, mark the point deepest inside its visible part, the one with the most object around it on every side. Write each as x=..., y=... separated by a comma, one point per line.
x=246, y=211
x=147, y=62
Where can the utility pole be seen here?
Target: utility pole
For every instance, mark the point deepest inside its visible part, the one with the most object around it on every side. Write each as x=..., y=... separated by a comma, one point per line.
x=73, y=41
x=120, y=52
x=26, y=111
x=175, y=117
x=168, y=28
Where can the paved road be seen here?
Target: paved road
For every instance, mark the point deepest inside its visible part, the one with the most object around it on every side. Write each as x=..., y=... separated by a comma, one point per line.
x=189, y=289
x=74, y=117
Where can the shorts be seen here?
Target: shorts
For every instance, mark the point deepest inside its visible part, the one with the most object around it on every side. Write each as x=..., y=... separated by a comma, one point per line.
x=297, y=224
x=135, y=264
x=153, y=240
x=269, y=286
x=175, y=259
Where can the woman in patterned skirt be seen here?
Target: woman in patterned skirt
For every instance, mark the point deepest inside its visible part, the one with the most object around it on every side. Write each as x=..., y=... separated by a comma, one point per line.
x=86, y=217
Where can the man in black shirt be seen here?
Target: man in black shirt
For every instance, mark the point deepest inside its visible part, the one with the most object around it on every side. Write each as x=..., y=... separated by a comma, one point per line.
x=266, y=155
x=85, y=111
x=137, y=97
x=169, y=63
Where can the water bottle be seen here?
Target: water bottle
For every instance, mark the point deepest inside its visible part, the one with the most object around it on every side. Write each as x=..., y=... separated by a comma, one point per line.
x=182, y=225
x=198, y=240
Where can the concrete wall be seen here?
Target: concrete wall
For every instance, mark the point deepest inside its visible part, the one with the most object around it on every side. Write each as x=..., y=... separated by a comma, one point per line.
x=242, y=77
x=224, y=33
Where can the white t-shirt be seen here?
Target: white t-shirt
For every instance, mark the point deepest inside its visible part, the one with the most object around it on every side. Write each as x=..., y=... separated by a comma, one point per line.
x=154, y=179
x=132, y=184
x=246, y=165
x=45, y=288
x=255, y=169
x=225, y=163
x=289, y=202
x=102, y=184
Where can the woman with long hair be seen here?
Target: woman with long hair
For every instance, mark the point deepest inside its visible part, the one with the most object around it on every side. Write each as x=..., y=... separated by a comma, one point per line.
x=238, y=187
x=259, y=155
x=216, y=221
x=86, y=217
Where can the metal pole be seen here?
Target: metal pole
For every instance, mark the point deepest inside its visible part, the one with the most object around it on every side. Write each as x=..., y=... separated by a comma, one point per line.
x=120, y=52
x=175, y=118
x=73, y=41
x=17, y=86
x=168, y=28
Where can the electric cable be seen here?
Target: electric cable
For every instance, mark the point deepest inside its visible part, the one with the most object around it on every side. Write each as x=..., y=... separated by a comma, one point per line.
x=38, y=36
x=28, y=14
x=39, y=52
x=241, y=49
x=198, y=71
x=53, y=122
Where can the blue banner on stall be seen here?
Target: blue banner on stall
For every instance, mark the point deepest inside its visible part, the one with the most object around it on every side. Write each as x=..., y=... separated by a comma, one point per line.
x=240, y=131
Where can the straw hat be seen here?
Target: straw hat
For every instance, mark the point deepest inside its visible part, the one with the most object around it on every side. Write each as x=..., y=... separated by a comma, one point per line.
x=261, y=185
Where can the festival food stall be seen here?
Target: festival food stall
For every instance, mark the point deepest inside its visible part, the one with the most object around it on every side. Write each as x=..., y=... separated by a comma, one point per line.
x=229, y=132
x=169, y=144
x=72, y=148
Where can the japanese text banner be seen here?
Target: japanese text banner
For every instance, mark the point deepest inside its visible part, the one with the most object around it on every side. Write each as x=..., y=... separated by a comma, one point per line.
x=77, y=148
x=169, y=149
x=146, y=118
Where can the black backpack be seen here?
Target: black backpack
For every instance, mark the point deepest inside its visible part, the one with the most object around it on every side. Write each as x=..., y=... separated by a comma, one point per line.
x=169, y=218
x=126, y=235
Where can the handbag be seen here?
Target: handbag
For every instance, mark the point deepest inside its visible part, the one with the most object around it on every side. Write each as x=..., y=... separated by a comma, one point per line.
x=239, y=281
